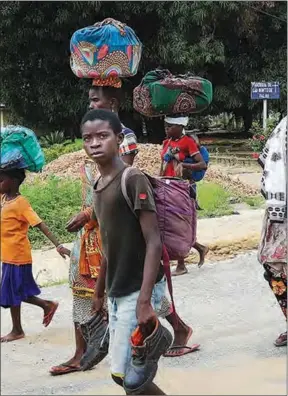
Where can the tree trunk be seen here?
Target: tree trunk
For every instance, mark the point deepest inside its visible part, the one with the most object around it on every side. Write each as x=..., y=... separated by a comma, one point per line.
x=247, y=119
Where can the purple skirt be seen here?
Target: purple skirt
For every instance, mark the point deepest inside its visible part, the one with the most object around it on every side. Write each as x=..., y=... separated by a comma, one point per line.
x=17, y=284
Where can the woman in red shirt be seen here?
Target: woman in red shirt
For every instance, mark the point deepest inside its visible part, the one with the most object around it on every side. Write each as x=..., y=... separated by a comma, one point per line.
x=176, y=148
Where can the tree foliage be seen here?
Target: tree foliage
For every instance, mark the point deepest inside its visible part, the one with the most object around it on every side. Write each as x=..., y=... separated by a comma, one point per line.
x=229, y=42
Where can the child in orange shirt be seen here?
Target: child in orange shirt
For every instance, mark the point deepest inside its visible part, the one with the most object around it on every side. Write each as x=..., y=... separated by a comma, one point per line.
x=17, y=283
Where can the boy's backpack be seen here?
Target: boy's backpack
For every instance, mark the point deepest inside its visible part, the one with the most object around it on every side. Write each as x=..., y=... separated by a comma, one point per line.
x=25, y=141
x=199, y=175
x=176, y=214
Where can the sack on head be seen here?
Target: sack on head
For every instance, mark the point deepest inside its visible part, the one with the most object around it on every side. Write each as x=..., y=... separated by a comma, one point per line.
x=162, y=93
x=23, y=141
x=107, y=49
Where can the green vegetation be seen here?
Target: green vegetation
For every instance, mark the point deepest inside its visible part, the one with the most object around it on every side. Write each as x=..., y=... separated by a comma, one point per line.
x=254, y=202
x=229, y=42
x=54, y=283
x=56, y=201
x=54, y=152
x=213, y=199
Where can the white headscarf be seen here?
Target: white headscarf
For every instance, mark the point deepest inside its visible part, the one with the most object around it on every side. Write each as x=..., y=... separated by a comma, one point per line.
x=177, y=121
x=274, y=179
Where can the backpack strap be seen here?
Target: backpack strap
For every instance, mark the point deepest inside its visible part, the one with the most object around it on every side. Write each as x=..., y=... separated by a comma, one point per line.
x=124, y=178
x=167, y=272
x=165, y=255
x=96, y=180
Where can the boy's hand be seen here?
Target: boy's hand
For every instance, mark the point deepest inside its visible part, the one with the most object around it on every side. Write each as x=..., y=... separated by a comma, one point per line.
x=77, y=222
x=97, y=303
x=63, y=251
x=145, y=313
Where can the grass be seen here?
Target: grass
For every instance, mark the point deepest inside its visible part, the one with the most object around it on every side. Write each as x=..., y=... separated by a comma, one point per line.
x=56, y=201
x=213, y=199
x=54, y=283
x=254, y=202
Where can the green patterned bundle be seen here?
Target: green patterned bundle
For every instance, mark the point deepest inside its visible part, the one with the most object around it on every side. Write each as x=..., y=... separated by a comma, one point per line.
x=162, y=93
x=24, y=141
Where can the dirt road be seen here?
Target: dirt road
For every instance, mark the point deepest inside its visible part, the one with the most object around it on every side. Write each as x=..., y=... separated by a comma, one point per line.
x=235, y=318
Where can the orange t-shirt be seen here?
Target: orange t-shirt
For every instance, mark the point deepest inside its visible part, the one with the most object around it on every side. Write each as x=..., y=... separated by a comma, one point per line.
x=16, y=217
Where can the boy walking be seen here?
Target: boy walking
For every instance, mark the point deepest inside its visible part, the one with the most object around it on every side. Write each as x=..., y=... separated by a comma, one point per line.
x=131, y=270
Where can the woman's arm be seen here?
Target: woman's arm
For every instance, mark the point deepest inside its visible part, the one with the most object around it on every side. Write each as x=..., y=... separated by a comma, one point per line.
x=199, y=164
x=162, y=168
x=79, y=221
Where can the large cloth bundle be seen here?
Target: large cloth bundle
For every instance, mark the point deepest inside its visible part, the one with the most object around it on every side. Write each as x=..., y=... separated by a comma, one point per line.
x=107, y=49
x=162, y=93
x=176, y=212
x=23, y=141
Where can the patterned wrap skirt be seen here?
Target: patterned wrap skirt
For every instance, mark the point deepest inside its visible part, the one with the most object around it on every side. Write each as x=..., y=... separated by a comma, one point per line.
x=273, y=244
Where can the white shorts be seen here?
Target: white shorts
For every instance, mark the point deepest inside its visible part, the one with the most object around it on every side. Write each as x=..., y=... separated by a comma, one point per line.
x=122, y=323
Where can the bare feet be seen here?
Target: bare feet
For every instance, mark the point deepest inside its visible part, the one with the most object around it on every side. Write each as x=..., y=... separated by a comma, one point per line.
x=202, y=254
x=49, y=312
x=13, y=336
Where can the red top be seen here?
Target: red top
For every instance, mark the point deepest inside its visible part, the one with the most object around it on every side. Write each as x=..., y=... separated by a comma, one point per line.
x=187, y=148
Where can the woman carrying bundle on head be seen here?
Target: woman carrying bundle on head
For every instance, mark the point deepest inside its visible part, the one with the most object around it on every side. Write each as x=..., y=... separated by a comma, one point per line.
x=180, y=158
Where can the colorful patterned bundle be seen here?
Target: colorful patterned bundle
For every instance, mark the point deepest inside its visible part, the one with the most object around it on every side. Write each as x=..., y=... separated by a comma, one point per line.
x=108, y=49
x=162, y=93
x=23, y=141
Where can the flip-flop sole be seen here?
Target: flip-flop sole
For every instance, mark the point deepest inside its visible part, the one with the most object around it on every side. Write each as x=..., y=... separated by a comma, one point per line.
x=280, y=344
x=179, y=274
x=48, y=318
x=185, y=350
x=66, y=370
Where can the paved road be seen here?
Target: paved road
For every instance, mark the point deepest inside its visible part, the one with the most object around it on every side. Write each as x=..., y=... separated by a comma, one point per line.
x=235, y=319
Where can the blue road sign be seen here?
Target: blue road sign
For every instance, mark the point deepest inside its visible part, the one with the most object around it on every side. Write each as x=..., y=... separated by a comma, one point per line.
x=265, y=90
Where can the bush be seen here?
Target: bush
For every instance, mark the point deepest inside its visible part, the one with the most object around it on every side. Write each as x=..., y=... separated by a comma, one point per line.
x=55, y=201
x=51, y=138
x=55, y=151
x=260, y=136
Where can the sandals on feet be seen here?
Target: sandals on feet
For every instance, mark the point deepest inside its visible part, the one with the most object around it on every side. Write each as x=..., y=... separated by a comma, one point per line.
x=181, y=350
x=48, y=318
x=281, y=340
x=63, y=368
